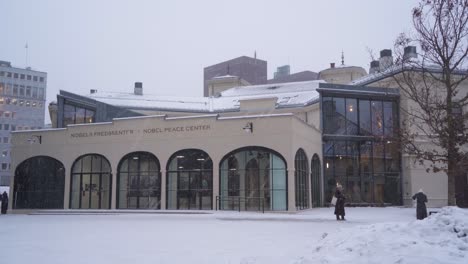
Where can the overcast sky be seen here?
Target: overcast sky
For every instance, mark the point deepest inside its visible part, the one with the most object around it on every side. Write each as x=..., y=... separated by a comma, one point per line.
x=110, y=44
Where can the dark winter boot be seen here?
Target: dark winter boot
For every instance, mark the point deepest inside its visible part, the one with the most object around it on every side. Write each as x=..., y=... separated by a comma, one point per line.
x=337, y=217
x=342, y=218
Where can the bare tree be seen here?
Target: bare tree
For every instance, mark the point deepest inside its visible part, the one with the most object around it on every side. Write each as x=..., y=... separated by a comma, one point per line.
x=434, y=83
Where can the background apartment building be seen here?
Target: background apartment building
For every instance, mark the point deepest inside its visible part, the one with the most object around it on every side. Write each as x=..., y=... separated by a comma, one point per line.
x=252, y=70
x=22, y=102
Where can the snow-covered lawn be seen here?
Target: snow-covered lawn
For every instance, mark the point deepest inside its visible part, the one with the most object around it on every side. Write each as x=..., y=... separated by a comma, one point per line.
x=370, y=235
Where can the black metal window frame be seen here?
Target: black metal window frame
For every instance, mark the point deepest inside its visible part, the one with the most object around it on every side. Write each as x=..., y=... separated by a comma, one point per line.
x=100, y=174
x=301, y=177
x=316, y=181
x=76, y=106
x=259, y=149
x=139, y=173
x=381, y=138
x=28, y=190
x=196, y=173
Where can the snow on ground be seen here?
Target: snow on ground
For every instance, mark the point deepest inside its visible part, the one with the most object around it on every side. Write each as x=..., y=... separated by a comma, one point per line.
x=370, y=235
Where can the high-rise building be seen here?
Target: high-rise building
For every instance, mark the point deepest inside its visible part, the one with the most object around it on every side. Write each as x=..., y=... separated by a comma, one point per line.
x=22, y=103
x=282, y=71
x=252, y=70
x=302, y=76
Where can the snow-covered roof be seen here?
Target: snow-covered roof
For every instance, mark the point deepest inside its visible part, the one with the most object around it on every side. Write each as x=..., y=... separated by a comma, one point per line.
x=225, y=77
x=397, y=68
x=288, y=95
x=377, y=76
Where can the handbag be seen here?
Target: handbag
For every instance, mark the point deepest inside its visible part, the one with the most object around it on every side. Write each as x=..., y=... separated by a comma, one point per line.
x=333, y=200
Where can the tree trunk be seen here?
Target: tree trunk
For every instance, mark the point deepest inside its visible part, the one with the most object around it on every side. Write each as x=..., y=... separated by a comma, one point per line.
x=451, y=176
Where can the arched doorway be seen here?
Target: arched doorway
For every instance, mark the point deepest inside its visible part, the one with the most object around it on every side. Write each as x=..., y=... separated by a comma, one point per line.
x=190, y=180
x=39, y=184
x=139, y=182
x=90, y=183
x=252, y=178
x=316, y=183
x=301, y=167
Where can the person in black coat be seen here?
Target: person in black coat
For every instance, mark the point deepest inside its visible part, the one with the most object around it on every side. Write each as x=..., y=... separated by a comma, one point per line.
x=340, y=201
x=421, y=200
x=4, y=202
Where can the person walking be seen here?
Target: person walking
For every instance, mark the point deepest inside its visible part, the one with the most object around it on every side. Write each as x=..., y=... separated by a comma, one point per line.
x=4, y=202
x=340, y=202
x=421, y=200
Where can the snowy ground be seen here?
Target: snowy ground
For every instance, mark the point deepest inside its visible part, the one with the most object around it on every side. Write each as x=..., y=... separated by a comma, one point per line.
x=370, y=235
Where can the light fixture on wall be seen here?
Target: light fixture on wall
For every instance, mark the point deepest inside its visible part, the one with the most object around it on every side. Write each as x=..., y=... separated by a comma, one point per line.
x=35, y=139
x=248, y=127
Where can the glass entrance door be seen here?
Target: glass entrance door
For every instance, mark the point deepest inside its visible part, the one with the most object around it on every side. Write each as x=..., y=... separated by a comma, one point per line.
x=190, y=181
x=85, y=191
x=90, y=183
x=94, y=191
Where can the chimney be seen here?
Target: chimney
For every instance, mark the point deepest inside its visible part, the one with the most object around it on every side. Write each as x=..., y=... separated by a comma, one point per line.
x=138, y=88
x=386, y=59
x=92, y=91
x=374, y=66
x=332, y=65
x=410, y=52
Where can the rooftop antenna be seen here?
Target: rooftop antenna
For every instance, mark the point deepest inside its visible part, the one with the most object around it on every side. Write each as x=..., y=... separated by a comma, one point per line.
x=342, y=57
x=26, y=47
x=255, y=54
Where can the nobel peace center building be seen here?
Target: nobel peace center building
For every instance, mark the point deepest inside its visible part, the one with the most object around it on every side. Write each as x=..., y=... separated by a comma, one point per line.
x=273, y=147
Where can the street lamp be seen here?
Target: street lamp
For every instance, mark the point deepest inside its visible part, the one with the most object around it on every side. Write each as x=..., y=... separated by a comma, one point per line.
x=248, y=127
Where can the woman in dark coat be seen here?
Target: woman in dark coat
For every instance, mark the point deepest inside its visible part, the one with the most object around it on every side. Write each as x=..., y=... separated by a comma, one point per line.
x=340, y=201
x=421, y=200
x=4, y=202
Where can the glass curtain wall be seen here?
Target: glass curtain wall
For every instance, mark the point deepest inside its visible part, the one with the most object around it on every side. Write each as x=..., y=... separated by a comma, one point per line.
x=139, y=182
x=39, y=184
x=360, y=151
x=190, y=180
x=301, y=166
x=252, y=178
x=316, y=182
x=73, y=114
x=90, y=183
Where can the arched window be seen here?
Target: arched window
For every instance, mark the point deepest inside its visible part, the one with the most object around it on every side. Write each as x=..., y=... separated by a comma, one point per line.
x=139, y=182
x=90, y=183
x=316, y=184
x=301, y=167
x=190, y=180
x=252, y=178
x=39, y=184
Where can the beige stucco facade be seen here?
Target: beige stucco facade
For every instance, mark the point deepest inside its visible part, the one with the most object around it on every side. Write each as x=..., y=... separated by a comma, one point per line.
x=342, y=74
x=163, y=136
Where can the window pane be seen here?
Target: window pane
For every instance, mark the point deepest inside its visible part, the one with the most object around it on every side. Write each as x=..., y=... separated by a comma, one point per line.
x=89, y=116
x=365, y=117
x=328, y=114
x=378, y=153
x=388, y=121
x=334, y=115
x=79, y=115
x=351, y=117
x=68, y=115
x=377, y=118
